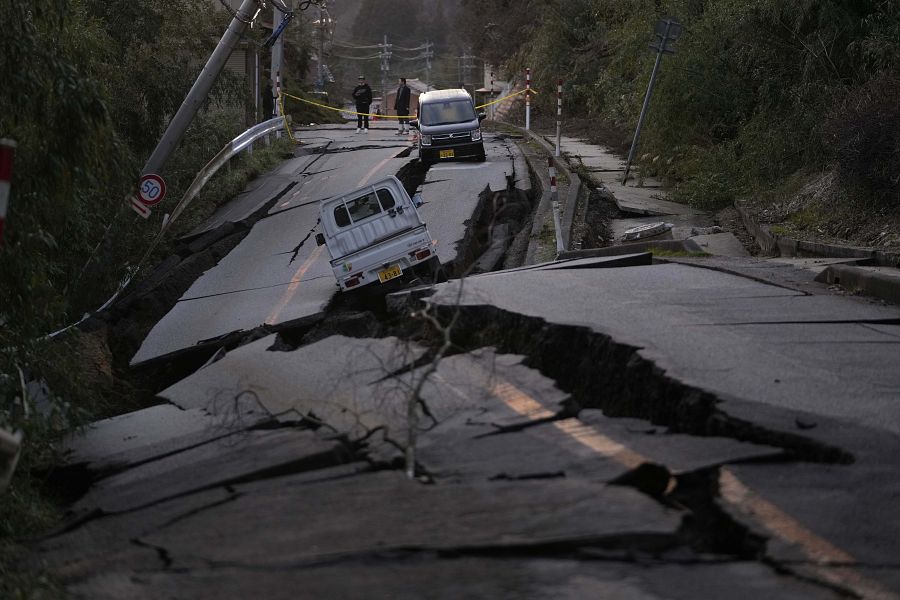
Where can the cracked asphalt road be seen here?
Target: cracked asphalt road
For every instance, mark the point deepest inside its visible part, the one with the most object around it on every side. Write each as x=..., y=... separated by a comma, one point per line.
x=600, y=428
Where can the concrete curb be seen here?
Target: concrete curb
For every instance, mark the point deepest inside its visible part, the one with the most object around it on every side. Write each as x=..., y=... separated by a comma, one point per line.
x=540, y=212
x=855, y=279
x=568, y=216
x=780, y=245
x=575, y=187
x=863, y=281
x=687, y=245
x=764, y=239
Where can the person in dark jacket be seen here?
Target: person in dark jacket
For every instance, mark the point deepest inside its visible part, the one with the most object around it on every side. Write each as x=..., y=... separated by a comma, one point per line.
x=268, y=102
x=362, y=94
x=401, y=105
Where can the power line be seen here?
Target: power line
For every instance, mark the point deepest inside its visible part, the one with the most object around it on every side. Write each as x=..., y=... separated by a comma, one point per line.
x=355, y=46
x=372, y=57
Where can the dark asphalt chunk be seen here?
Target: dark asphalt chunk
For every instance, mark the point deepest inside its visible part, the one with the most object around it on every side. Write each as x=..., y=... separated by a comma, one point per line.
x=126, y=440
x=802, y=511
x=679, y=453
x=239, y=457
x=480, y=578
x=104, y=543
x=337, y=382
x=280, y=526
x=591, y=447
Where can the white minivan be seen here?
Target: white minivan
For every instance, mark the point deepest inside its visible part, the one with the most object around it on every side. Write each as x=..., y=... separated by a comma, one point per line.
x=374, y=234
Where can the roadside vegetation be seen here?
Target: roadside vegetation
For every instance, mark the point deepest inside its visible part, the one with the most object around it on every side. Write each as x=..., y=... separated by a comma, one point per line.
x=788, y=105
x=89, y=87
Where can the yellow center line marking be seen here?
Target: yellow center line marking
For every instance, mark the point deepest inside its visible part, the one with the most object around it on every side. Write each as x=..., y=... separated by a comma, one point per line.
x=292, y=288
x=791, y=531
x=295, y=280
x=833, y=562
x=373, y=170
x=528, y=407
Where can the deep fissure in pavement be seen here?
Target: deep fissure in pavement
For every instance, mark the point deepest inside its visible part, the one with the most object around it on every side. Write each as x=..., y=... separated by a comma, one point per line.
x=601, y=373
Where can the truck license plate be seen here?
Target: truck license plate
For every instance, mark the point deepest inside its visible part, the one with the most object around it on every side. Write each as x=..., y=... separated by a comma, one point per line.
x=391, y=272
x=447, y=154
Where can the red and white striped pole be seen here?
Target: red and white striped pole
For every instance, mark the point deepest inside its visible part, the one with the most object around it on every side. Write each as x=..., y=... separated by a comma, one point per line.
x=492, y=96
x=527, y=99
x=7, y=153
x=558, y=114
x=554, y=196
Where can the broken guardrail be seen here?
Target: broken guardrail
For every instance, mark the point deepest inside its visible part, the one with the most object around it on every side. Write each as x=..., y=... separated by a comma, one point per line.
x=231, y=149
x=234, y=147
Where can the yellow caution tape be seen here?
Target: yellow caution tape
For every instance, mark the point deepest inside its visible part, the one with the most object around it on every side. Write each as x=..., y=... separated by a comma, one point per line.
x=287, y=126
x=530, y=90
x=351, y=112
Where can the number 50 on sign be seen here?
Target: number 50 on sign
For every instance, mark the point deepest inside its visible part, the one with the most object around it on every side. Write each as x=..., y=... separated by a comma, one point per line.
x=152, y=189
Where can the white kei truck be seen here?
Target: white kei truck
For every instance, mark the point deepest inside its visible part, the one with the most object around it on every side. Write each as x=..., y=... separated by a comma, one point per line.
x=374, y=234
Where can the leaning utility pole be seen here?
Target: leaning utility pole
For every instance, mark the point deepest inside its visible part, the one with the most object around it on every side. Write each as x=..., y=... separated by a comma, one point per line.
x=320, y=76
x=666, y=32
x=195, y=98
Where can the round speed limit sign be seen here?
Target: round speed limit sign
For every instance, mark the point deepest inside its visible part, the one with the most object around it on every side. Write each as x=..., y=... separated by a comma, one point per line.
x=152, y=189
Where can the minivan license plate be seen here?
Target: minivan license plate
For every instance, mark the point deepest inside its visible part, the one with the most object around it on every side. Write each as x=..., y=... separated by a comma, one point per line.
x=447, y=154
x=391, y=272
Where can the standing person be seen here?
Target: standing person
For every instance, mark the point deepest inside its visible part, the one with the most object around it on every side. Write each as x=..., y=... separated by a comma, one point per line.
x=362, y=94
x=268, y=101
x=401, y=105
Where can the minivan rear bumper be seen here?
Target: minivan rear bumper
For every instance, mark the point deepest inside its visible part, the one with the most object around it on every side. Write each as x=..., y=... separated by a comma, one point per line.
x=433, y=153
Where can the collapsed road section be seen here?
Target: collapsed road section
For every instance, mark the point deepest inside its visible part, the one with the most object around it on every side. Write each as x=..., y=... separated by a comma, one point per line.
x=553, y=450
x=583, y=428
x=274, y=278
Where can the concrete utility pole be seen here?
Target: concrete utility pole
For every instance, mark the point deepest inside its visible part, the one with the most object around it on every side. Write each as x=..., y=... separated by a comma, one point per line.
x=385, y=56
x=464, y=67
x=667, y=31
x=428, y=54
x=321, y=31
x=195, y=98
x=278, y=60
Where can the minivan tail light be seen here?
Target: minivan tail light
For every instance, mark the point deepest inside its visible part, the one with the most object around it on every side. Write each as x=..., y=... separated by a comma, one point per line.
x=352, y=281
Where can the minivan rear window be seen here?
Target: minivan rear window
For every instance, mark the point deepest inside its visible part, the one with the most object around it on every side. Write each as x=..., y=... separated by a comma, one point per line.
x=447, y=112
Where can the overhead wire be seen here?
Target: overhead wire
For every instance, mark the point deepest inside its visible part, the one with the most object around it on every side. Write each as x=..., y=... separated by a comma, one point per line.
x=355, y=57
x=355, y=46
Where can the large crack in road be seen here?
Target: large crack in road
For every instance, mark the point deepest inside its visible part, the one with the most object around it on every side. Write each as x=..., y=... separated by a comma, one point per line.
x=558, y=420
